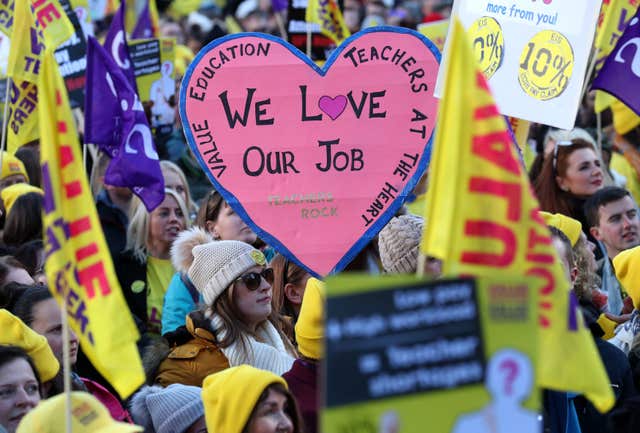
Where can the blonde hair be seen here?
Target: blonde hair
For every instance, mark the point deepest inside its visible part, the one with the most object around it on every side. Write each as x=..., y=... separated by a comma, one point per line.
x=138, y=231
x=168, y=166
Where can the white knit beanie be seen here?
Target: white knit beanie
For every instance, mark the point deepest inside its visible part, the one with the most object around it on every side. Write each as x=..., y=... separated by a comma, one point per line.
x=168, y=410
x=216, y=265
x=398, y=243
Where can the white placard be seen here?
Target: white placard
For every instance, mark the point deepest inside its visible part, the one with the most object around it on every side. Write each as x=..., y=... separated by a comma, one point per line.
x=540, y=51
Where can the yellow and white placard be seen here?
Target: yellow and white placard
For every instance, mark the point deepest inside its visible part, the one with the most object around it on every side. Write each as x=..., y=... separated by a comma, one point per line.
x=534, y=54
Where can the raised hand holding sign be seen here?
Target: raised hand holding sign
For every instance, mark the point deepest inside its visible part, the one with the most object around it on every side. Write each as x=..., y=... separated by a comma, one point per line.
x=315, y=160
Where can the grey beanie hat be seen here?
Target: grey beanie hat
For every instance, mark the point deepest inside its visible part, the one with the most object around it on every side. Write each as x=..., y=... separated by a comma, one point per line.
x=167, y=410
x=398, y=242
x=216, y=265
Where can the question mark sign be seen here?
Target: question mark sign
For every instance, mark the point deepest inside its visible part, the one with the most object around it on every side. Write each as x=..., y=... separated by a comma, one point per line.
x=511, y=368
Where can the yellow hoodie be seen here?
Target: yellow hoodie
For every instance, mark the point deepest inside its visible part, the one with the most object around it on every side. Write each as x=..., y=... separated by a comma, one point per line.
x=16, y=333
x=230, y=396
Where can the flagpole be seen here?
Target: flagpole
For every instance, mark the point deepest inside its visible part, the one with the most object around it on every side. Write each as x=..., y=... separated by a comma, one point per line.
x=5, y=120
x=280, y=22
x=66, y=366
x=599, y=131
x=592, y=66
x=309, y=40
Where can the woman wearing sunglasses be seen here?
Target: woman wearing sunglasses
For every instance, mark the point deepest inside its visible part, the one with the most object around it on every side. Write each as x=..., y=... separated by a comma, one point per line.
x=235, y=326
x=570, y=175
x=220, y=222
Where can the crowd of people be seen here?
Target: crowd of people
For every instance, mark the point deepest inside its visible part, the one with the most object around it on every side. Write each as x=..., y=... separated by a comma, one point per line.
x=232, y=330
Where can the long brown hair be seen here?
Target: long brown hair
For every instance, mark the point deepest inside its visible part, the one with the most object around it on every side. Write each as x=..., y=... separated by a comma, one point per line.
x=234, y=328
x=285, y=272
x=210, y=209
x=551, y=197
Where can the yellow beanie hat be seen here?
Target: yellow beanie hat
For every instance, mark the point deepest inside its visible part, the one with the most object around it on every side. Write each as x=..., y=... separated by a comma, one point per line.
x=12, y=165
x=11, y=193
x=16, y=333
x=230, y=396
x=627, y=266
x=310, y=324
x=88, y=415
x=569, y=226
x=624, y=119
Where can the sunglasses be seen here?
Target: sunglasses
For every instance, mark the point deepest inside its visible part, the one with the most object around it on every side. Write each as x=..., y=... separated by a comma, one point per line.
x=555, y=152
x=252, y=280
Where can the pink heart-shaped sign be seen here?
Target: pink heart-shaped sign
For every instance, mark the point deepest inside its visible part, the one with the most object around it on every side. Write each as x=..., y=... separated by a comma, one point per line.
x=315, y=178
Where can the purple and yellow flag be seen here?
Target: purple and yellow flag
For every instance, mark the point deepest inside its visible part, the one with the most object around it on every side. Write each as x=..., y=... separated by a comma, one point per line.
x=613, y=20
x=23, y=114
x=620, y=74
x=6, y=16
x=77, y=260
x=484, y=220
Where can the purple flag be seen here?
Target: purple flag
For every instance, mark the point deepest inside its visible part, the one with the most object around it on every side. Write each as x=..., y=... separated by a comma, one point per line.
x=279, y=5
x=620, y=74
x=116, y=123
x=116, y=45
x=144, y=27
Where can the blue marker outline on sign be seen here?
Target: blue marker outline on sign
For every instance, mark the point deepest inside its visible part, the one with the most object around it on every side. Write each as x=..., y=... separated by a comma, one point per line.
x=384, y=218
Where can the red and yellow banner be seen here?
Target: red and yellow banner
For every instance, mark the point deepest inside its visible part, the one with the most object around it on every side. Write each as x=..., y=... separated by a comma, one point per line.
x=37, y=24
x=483, y=220
x=77, y=261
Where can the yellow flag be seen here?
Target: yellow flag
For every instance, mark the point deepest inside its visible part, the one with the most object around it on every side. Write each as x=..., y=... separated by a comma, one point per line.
x=155, y=18
x=77, y=261
x=52, y=21
x=327, y=14
x=45, y=25
x=232, y=25
x=182, y=8
x=484, y=220
x=436, y=32
x=23, y=114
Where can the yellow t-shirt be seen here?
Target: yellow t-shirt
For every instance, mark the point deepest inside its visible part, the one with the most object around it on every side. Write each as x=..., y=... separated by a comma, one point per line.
x=159, y=274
